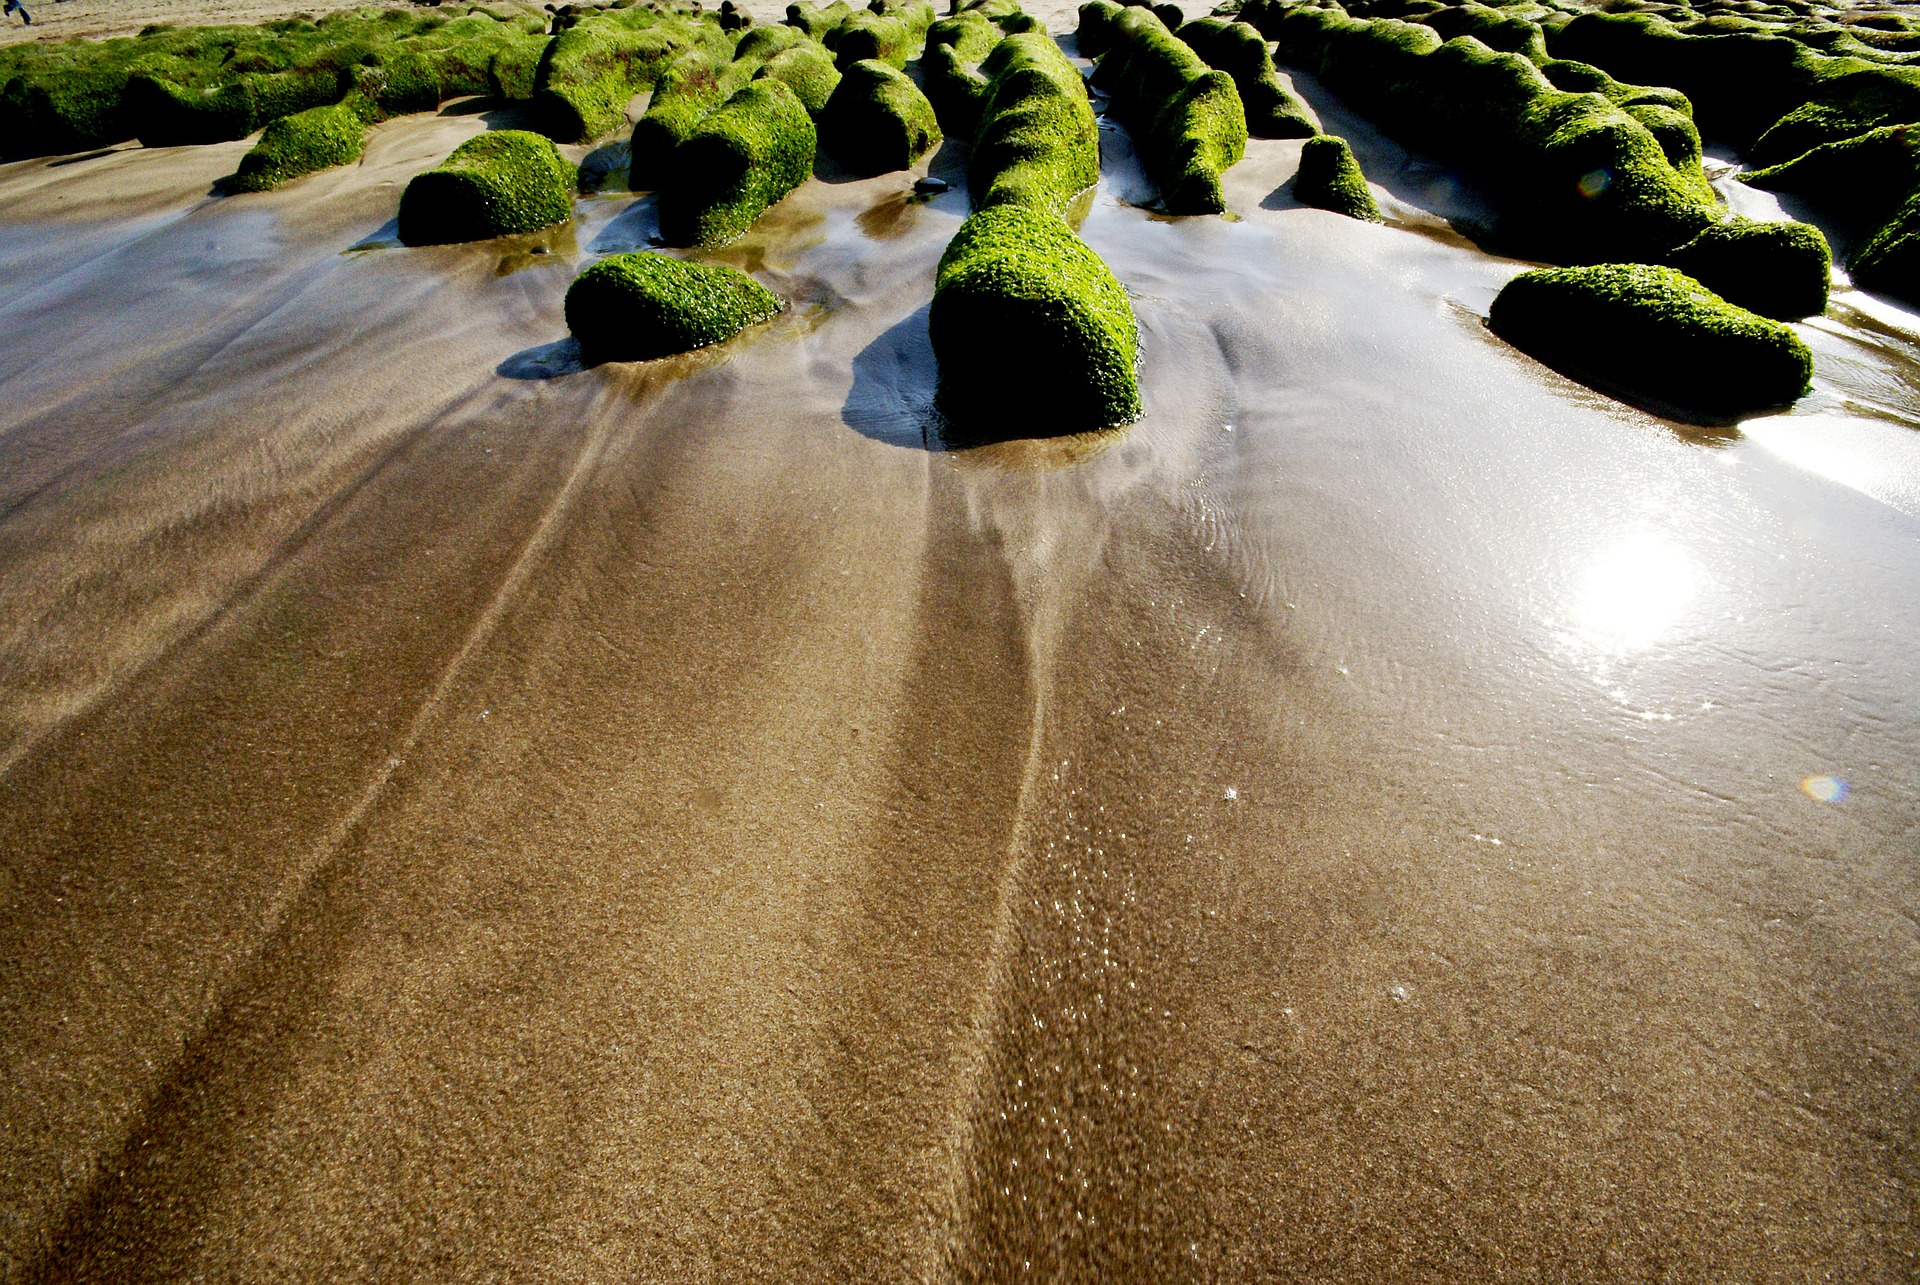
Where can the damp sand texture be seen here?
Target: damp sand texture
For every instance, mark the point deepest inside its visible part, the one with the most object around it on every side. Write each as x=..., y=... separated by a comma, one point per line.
x=1389, y=814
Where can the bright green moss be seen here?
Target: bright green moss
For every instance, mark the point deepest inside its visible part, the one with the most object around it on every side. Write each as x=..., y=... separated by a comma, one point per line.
x=1015, y=285
x=878, y=120
x=762, y=43
x=300, y=144
x=1187, y=120
x=867, y=36
x=1581, y=180
x=1330, y=179
x=807, y=69
x=398, y=82
x=819, y=22
x=513, y=69
x=1859, y=181
x=591, y=70
x=956, y=90
x=1653, y=332
x=1840, y=107
x=1038, y=143
x=497, y=183
x=1492, y=27
x=636, y=307
x=691, y=87
x=1238, y=50
x=1889, y=263
x=740, y=160
x=1096, y=31
x=971, y=36
x=1778, y=270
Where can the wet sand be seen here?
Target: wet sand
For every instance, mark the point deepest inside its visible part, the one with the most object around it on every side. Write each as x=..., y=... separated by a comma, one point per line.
x=470, y=817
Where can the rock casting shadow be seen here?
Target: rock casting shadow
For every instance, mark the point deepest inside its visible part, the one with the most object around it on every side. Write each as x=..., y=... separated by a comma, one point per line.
x=385, y=237
x=894, y=377
x=605, y=166
x=635, y=228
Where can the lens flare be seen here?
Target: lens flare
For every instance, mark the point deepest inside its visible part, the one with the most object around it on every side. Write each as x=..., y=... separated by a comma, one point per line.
x=1827, y=789
x=1594, y=182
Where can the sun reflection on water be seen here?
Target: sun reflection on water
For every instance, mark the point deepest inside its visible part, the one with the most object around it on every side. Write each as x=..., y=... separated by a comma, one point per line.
x=1633, y=593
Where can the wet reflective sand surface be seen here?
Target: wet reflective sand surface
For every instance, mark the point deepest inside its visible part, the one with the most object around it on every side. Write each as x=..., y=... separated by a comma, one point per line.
x=1391, y=814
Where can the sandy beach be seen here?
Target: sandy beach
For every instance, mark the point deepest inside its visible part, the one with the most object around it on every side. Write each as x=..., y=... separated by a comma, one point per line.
x=1391, y=814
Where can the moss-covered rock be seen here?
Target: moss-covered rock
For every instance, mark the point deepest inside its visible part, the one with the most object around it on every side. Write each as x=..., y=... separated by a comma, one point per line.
x=1655, y=333
x=1580, y=179
x=315, y=139
x=591, y=70
x=513, y=70
x=819, y=22
x=1330, y=179
x=636, y=307
x=1038, y=143
x=878, y=120
x=1237, y=49
x=740, y=160
x=870, y=36
x=691, y=87
x=501, y=182
x=807, y=69
x=1186, y=119
x=1889, y=263
x=1778, y=270
x=1859, y=181
x=1016, y=285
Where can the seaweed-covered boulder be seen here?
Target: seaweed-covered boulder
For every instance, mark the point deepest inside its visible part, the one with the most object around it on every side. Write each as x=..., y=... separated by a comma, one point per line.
x=1778, y=270
x=306, y=141
x=691, y=87
x=1038, y=142
x=819, y=22
x=635, y=307
x=740, y=160
x=592, y=69
x=1889, y=263
x=878, y=120
x=807, y=69
x=1330, y=179
x=1655, y=333
x=888, y=39
x=501, y=182
x=1238, y=50
x=1859, y=180
x=1186, y=119
x=1016, y=289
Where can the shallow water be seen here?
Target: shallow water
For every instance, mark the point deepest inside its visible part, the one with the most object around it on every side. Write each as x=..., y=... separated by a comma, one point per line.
x=1392, y=813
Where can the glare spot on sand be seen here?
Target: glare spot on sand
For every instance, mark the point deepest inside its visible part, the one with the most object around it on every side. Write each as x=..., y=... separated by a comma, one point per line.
x=1232, y=793
x=1827, y=789
x=1633, y=592
x=1400, y=993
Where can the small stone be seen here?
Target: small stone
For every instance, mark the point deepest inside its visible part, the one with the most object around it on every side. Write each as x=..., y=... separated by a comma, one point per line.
x=930, y=186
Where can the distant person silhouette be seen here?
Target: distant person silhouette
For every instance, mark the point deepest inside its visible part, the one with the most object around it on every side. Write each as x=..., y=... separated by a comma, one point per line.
x=14, y=6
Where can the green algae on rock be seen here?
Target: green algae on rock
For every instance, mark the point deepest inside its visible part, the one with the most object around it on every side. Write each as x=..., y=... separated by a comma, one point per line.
x=1654, y=332
x=1016, y=280
x=636, y=307
x=1237, y=49
x=497, y=183
x=591, y=70
x=1038, y=143
x=740, y=160
x=1779, y=270
x=315, y=139
x=878, y=120
x=1186, y=118
x=1889, y=263
x=807, y=69
x=1330, y=179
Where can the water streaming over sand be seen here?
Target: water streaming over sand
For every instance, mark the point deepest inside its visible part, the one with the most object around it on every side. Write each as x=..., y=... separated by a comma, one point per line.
x=1390, y=814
